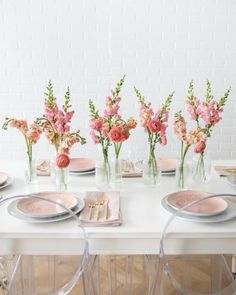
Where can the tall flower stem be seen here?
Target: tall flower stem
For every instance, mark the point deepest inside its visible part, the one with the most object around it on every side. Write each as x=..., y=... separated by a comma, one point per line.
x=181, y=181
x=29, y=149
x=200, y=173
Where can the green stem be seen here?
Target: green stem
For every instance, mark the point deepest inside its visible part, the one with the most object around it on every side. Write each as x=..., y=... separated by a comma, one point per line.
x=181, y=172
x=29, y=148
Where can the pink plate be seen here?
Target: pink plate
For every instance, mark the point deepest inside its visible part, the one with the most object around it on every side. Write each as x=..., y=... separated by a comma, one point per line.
x=207, y=207
x=168, y=164
x=41, y=209
x=3, y=178
x=81, y=164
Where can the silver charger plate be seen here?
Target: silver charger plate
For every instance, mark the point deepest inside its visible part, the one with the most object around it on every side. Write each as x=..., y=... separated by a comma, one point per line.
x=229, y=214
x=13, y=211
x=7, y=182
x=139, y=166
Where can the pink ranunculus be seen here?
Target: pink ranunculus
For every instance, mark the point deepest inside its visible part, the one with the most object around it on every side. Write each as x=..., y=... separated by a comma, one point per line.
x=154, y=126
x=96, y=124
x=62, y=160
x=199, y=147
x=115, y=134
x=33, y=135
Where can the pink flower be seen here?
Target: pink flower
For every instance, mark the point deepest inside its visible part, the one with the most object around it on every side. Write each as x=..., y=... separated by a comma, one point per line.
x=111, y=111
x=131, y=123
x=154, y=126
x=62, y=161
x=20, y=125
x=199, y=147
x=115, y=134
x=96, y=124
x=94, y=137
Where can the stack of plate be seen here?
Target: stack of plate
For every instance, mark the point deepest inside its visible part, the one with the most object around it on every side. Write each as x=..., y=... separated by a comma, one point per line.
x=168, y=165
x=36, y=210
x=210, y=210
x=82, y=166
x=5, y=180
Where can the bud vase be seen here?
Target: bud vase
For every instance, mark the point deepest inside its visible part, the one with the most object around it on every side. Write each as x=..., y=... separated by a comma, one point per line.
x=116, y=171
x=151, y=172
x=201, y=169
x=103, y=174
x=30, y=170
x=61, y=178
x=183, y=175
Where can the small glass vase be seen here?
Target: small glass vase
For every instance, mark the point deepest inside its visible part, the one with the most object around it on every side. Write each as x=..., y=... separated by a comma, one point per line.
x=201, y=169
x=61, y=178
x=151, y=172
x=183, y=175
x=103, y=174
x=116, y=171
x=30, y=170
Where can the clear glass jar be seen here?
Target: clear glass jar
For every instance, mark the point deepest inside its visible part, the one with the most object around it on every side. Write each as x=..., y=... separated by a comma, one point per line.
x=30, y=170
x=116, y=173
x=103, y=174
x=201, y=168
x=61, y=178
x=151, y=172
x=183, y=175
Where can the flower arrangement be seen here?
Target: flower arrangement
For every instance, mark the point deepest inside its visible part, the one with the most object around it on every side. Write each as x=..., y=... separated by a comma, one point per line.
x=31, y=135
x=155, y=124
x=55, y=123
x=206, y=113
x=110, y=128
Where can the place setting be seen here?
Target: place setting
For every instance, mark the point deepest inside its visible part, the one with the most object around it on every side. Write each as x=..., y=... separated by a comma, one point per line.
x=34, y=210
x=212, y=210
x=82, y=166
x=5, y=180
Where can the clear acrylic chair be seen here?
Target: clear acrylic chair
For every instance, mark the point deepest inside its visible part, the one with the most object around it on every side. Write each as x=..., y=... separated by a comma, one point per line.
x=193, y=274
x=45, y=275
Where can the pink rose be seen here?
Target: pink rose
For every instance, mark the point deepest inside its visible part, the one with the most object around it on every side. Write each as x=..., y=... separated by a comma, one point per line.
x=115, y=134
x=199, y=147
x=154, y=126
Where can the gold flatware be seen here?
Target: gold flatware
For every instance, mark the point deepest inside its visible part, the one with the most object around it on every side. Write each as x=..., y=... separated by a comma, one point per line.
x=106, y=210
x=98, y=204
x=91, y=206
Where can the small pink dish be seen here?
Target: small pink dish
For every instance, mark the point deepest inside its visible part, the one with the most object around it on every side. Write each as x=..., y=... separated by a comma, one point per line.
x=167, y=164
x=3, y=178
x=209, y=207
x=81, y=164
x=34, y=207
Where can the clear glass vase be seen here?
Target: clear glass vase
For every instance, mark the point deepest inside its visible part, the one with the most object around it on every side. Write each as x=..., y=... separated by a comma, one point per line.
x=201, y=169
x=103, y=174
x=183, y=175
x=30, y=170
x=61, y=178
x=116, y=171
x=151, y=172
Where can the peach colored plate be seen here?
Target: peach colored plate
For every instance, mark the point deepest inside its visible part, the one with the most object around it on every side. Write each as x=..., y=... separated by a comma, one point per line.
x=40, y=208
x=209, y=207
x=3, y=178
x=167, y=164
x=81, y=164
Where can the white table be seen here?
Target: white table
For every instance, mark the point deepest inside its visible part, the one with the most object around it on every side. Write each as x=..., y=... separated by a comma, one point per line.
x=143, y=222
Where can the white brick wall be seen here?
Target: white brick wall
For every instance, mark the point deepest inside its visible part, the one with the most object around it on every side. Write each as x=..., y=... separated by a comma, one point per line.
x=90, y=44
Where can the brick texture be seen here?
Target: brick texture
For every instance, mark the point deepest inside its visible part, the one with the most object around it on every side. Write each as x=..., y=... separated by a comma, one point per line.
x=160, y=44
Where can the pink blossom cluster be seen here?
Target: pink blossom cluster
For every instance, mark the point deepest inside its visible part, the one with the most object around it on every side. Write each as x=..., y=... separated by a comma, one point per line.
x=194, y=108
x=155, y=123
x=67, y=144
x=32, y=133
x=210, y=113
x=120, y=130
x=112, y=106
x=58, y=119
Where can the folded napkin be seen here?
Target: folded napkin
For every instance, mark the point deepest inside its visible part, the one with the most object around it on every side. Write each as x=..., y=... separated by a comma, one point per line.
x=111, y=200
x=43, y=168
x=129, y=170
x=225, y=170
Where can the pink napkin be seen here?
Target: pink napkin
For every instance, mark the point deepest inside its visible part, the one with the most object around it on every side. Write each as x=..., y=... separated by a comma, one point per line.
x=43, y=168
x=114, y=214
x=225, y=170
x=129, y=170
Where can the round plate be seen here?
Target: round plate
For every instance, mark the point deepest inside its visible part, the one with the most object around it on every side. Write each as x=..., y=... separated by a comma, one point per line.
x=209, y=207
x=82, y=173
x=167, y=164
x=3, y=178
x=229, y=214
x=13, y=211
x=81, y=164
x=7, y=182
x=34, y=207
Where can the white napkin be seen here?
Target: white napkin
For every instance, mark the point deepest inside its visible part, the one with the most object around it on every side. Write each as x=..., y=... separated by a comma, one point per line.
x=225, y=170
x=129, y=170
x=43, y=168
x=114, y=214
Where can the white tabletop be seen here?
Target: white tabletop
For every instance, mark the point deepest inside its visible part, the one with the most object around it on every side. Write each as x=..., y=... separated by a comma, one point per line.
x=142, y=214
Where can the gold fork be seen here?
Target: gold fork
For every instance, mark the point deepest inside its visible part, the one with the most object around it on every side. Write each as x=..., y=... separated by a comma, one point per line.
x=98, y=204
x=106, y=210
x=91, y=206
